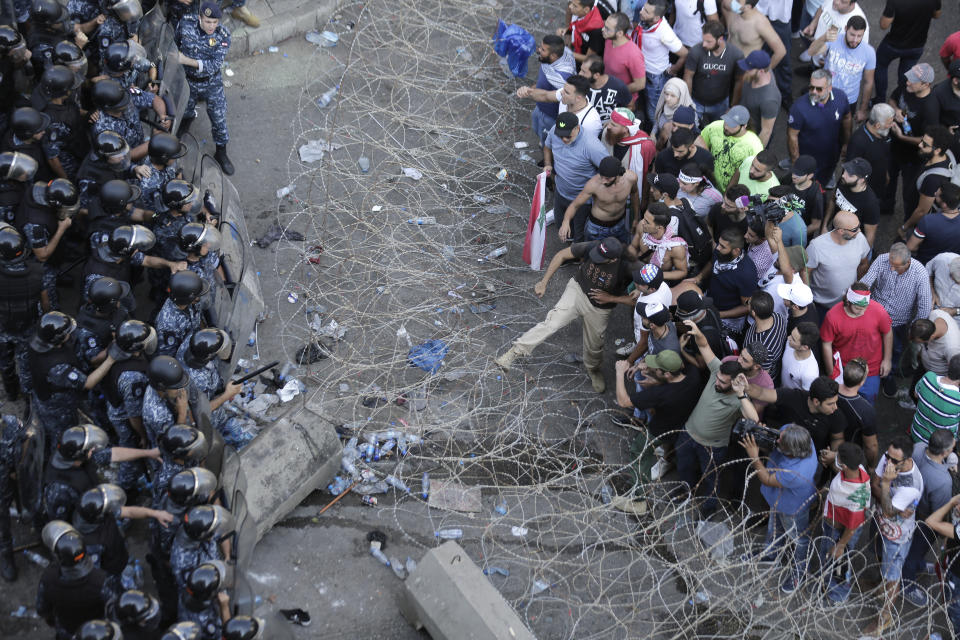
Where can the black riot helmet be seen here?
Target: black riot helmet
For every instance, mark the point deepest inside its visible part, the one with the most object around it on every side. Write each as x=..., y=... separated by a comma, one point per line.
x=10, y=39
x=164, y=147
x=99, y=630
x=186, y=287
x=110, y=145
x=128, y=238
x=183, y=442
x=77, y=442
x=166, y=373
x=178, y=193
x=47, y=12
x=192, y=487
x=27, y=122
x=134, y=336
x=194, y=235
x=109, y=95
x=243, y=628
x=182, y=631
x=58, y=81
x=54, y=328
x=64, y=542
x=71, y=56
x=125, y=10
x=59, y=194
x=207, y=344
x=115, y=195
x=102, y=501
x=208, y=522
x=105, y=294
x=206, y=580
x=18, y=166
x=138, y=609
x=122, y=57
x=13, y=246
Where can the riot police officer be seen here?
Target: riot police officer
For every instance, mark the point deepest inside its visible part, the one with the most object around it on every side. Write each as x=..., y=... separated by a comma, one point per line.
x=27, y=129
x=104, y=311
x=109, y=159
x=95, y=517
x=21, y=290
x=17, y=170
x=122, y=19
x=123, y=61
x=49, y=24
x=205, y=600
x=180, y=314
x=243, y=628
x=58, y=381
x=12, y=439
x=163, y=151
x=198, y=539
x=99, y=630
x=14, y=66
x=65, y=142
x=138, y=615
x=199, y=355
x=182, y=631
x=112, y=101
x=166, y=400
x=114, y=207
x=201, y=245
x=181, y=446
x=114, y=255
x=69, y=55
x=71, y=589
x=45, y=214
x=203, y=44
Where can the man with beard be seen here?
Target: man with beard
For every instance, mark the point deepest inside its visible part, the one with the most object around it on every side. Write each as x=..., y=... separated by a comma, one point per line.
x=733, y=280
x=556, y=64
x=657, y=41
x=934, y=172
x=914, y=112
x=683, y=150
x=851, y=61
x=625, y=141
x=606, y=92
x=576, y=157
x=622, y=57
x=756, y=173
x=819, y=124
x=806, y=187
x=872, y=141
x=608, y=190
x=730, y=142
x=938, y=233
x=710, y=71
x=856, y=196
x=836, y=258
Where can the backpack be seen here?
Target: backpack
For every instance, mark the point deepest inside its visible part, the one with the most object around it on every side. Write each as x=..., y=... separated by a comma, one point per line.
x=692, y=229
x=951, y=172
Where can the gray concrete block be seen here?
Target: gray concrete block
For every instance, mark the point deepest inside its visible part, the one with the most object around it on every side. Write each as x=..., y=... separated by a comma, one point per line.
x=285, y=26
x=297, y=454
x=449, y=596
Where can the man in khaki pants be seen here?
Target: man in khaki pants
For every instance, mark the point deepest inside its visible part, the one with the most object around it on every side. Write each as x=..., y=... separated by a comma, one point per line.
x=591, y=295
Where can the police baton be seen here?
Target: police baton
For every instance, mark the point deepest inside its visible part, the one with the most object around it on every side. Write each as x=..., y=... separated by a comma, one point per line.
x=256, y=373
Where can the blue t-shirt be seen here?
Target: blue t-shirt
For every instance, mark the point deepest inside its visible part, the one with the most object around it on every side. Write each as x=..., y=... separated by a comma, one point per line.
x=795, y=476
x=727, y=288
x=939, y=234
x=794, y=231
x=550, y=109
x=819, y=127
x=574, y=163
x=847, y=65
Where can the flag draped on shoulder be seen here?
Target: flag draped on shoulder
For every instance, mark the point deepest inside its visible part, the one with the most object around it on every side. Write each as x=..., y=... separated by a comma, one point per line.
x=848, y=500
x=535, y=243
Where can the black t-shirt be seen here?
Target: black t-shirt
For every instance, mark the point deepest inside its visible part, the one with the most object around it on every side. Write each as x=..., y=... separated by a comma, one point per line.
x=713, y=75
x=930, y=184
x=666, y=163
x=865, y=204
x=812, y=198
x=810, y=315
x=791, y=407
x=876, y=151
x=911, y=21
x=671, y=402
x=920, y=113
x=610, y=96
x=718, y=221
x=594, y=42
x=861, y=418
x=613, y=277
x=947, y=104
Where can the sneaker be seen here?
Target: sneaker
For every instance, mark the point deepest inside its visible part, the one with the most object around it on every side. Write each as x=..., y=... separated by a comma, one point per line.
x=789, y=584
x=626, y=349
x=904, y=401
x=916, y=595
x=888, y=386
x=660, y=469
x=296, y=616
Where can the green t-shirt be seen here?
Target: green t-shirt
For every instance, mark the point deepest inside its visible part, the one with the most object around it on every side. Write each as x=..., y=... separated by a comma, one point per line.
x=756, y=188
x=728, y=153
x=715, y=413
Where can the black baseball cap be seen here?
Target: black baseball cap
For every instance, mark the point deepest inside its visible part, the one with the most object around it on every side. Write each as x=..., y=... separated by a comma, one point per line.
x=689, y=304
x=804, y=165
x=858, y=167
x=607, y=249
x=566, y=121
x=666, y=183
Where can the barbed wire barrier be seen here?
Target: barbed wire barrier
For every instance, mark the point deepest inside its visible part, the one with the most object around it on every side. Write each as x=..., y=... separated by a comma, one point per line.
x=423, y=102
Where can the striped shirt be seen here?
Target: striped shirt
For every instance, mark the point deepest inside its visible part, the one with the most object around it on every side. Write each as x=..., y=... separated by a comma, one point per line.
x=774, y=339
x=906, y=296
x=938, y=407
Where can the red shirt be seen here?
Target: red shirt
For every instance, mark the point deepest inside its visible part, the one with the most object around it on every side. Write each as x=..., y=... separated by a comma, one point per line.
x=951, y=47
x=857, y=337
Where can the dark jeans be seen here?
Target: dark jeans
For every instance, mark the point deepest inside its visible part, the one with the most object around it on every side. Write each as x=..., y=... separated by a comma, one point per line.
x=887, y=53
x=782, y=73
x=923, y=541
x=697, y=464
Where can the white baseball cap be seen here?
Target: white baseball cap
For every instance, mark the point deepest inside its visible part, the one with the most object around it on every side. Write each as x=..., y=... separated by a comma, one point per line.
x=905, y=497
x=796, y=292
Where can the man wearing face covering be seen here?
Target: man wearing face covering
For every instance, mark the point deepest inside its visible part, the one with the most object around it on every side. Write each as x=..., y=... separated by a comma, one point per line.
x=610, y=190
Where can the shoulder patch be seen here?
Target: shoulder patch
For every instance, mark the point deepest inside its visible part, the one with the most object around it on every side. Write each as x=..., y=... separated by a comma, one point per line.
x=72, y=375
x=92, y=342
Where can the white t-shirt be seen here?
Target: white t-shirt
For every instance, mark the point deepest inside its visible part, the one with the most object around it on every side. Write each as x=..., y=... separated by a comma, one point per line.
x=658, y=43
x=899, y=529
x=663, y=295
x=937, y=353
x=947, y=290
x=798, y=374
x=590, y=123
x=834, y=266
x=829, y=16
x=689, y=24
x=778, y=10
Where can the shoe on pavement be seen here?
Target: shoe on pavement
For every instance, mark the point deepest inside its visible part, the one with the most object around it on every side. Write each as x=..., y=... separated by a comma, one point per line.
x=221, y=157
x=904, y=401
x=636, y=507
x=243, y=14
x=296, y=616
x=888, y=386
x=506, y=360
x=596, y=380
x=915, y=595
x=660, y=469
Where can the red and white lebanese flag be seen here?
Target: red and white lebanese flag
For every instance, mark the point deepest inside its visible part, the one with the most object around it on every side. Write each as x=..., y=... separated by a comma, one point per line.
x=536, y=241
x=847, y=500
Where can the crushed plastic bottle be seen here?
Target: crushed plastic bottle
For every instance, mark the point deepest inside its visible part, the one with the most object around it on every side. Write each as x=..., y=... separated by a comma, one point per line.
x=425, y=486
x=489, y=571
x=364, y=163
x=36, y=558
x=539, y=586
x=496, y=253
x=327, y=97
x=396, y=483
x=501, y=508
x=502, y=174
x=132, y=576
x=423, y=220
x=376, y=553
x=449, y=534
x=410, y=564
x=605, y=496
x=284, y=191
x=412, y=173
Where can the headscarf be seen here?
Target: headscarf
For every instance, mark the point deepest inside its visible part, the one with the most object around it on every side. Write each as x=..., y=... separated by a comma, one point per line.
x=665, y=113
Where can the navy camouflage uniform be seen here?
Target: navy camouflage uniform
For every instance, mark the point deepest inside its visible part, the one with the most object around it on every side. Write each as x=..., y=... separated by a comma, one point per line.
x=205, y=614
x=206, y=83
x=111, y=31
x=64, y=484
x=83, y=10
x=12, y=436
x=128, y=127
x=37, y=237
x=59, y=412
x=174, y=326
x=157, y=415
x=151, y=186
x=209, y=382
x=131, y=386
x=186, y=553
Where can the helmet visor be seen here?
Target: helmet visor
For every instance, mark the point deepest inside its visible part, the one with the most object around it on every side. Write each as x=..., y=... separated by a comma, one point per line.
x=22, y=169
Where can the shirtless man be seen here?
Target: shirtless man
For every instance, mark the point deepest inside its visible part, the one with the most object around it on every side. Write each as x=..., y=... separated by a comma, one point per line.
x=750, y=30
x=609, y=189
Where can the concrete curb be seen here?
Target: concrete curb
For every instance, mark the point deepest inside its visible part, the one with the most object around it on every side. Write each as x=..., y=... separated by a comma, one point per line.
x=279, y=27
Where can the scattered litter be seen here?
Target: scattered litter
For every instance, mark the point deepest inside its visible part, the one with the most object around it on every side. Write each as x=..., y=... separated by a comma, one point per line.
x=520, y=145
x=450, y=494
x=327, y=97
x=481, y=199
x=377, y=207
x=344, y=387
x=483, y=308
x=259, y=405
x=322, y=38
x=496, y=253
x=273, y=49
x=429, y=355
x=296, y=616
x=502, y=174
x=238, y=432
x=463, y=53
x=284, y=191
x=526, y=157
x=448, y=252
x=311, y=352
x=700, y=597
x=449, y=534
x=539, y=586
x=274, y=233
x=498, y=209
x=519, y=532
x=410, y=172
x=332, y=330
x=397, y=567
x=23, y=612
x=501, y=508
x=411, y=564
x=293, y=388
x=402, y=333
x=36, y=558
x=364, y=163
x=314, y=150
x=716, y=537
x=548, y=219
x=489, y=571
x=370, y=501
x=229, y=73
x=292, y=297
x=423, y=220
x=573, y=358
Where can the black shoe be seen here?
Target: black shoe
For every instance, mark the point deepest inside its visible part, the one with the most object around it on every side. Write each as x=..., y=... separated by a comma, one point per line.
x=296, y=616
x=8, y=568
x=888, y=386
x=540, y=163
x=221, y=157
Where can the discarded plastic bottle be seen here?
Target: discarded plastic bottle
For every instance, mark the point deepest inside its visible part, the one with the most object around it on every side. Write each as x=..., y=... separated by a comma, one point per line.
x=449, y=534
x=501, y=508
x=396, y=483
x=387, y=447
x=496, y=253
x=425, y=485
x=36, y=558
x=539, y=586
x=327, y=97
x=423, y=220
x=376, y=553
x=489, y=571
x=402, y=445
x=605, y=496
x=376, y=453
x=346, y=463
x=369, y=450
x=364, y=163
x=502, y=174
x=370, y=501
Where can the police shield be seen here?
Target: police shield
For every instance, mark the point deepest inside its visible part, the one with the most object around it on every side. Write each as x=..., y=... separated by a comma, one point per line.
x=30, y=471
x=157, y=38
x=190, y=162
